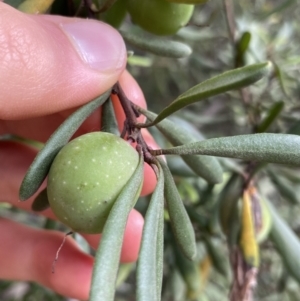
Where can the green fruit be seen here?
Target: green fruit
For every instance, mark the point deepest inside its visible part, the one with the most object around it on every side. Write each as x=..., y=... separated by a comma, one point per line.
x=160, y=16
x=87, y=176
x=116, y=14
x=189, y=1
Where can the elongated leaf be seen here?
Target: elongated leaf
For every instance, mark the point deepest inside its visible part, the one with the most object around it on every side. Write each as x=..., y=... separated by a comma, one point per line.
x=179, y=168
x=230, y=80
x=241, y=48
x=286, y=243
x=295, y=128
x=290, y=174
x=41, y=202
x=160, y=253
x=35, y=6
x=140, y=61
x=50, y=224
x=231, y=165
x=244, y=42
x=277, y=9
x=39, y=168
x=108, y=254
x=177, y=285
x=228, y=203
x=108, y=121
x=273, y=113
x=247, y=242
x=180, y=221
x=219, y=259
x=13, y=3
x=284, y=187
x=159, y=46
x=280, y=76
x=124, y=272
x=201, y=220
x=263, y=232
x=272, y=148
x=147, y=274
x=206, y=167
x=190, y=273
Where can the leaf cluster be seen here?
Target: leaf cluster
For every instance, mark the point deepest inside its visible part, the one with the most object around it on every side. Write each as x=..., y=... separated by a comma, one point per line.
x=214, y=201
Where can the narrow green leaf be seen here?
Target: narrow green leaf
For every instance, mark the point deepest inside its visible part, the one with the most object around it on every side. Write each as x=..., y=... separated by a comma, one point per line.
x=230, y=80
x=227, y=202
x=124, y=272
x=50, y=224
x=177, y=286
x=286, y=243
x=263, y=231
x=273, y=113
x=13, y=3
x=241, y=48
x=39, y=168
x=179, y=168
x=108, y=254
x=280, y=76
x=244, y=42
x=180, y=221
x=160, y=252
x=148, y=263
x=295, y=129
x=217, y=256
x=290, y=174
x=204, y=166
x=189, y=272
x=188, y=191
x=35, y=6
x=159, y=46
x=108, y=120
x=285, y=188
x=272, y=148
x=231, y=165
x=201, y=220
x=41, y=202
x=277, y=9
x=213, y=225
x=234, y=226
x=32, y=143
x=140, y=61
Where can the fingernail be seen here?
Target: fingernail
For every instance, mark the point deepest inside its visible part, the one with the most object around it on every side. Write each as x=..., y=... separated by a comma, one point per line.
x=99, y=45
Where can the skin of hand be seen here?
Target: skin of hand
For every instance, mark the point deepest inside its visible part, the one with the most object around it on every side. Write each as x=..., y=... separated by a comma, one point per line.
x=50, y=65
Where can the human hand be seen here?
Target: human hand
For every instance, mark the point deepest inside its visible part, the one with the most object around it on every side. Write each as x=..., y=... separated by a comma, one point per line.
x=44, y=76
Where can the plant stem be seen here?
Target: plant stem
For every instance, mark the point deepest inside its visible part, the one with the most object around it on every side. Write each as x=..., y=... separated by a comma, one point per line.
x=230, y=20
x=130, y=126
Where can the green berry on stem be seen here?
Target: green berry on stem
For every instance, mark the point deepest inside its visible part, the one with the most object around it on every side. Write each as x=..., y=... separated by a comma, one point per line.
x=87, y=176
x=160, y=17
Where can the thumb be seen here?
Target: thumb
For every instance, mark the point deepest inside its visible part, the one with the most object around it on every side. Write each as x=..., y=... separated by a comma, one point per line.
x=53, y=63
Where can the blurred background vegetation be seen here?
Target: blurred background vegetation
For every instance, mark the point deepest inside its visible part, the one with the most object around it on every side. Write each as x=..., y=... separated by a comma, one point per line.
x=258, y=30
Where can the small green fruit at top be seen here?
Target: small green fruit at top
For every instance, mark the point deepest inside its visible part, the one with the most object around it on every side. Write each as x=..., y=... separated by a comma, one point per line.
x=116, y=14
x=86, y=178
x=159, y=16
x=189, y=1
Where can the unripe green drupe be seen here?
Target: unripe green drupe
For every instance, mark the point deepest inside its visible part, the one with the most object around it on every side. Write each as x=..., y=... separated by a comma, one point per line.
x=159, y=17
x=86, y=177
